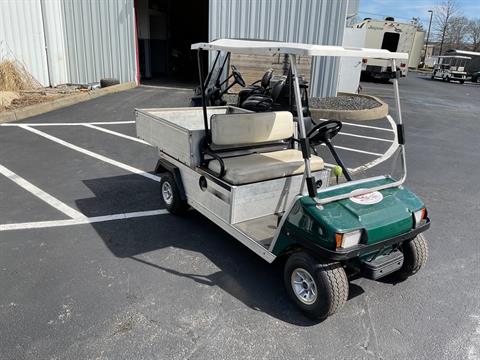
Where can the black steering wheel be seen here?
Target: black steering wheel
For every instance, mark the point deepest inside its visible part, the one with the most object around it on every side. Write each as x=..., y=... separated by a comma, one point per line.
x=237, y=76
x=323, y=132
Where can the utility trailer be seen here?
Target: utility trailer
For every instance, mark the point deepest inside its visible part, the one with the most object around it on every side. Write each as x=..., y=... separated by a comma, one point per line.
x=394, y=36
x=255, y=175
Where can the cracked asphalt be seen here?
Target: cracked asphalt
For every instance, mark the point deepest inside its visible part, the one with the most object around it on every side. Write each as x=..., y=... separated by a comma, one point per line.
x=166, y=287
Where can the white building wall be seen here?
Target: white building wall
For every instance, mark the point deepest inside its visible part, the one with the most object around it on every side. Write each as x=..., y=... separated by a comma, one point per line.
x=305, y=21
x=22, y=37
x=83, y=41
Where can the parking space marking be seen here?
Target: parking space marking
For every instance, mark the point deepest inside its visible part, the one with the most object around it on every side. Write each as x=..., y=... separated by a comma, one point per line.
x=42, y=195
x=73, y=123
x=365, y=137
x=91, y=153
x=91, y=126
x=80, y=221
x=367, y=126
x=355, y=150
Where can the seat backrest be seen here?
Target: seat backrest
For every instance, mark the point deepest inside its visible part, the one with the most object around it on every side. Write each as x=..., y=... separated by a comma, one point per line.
x=232, y=130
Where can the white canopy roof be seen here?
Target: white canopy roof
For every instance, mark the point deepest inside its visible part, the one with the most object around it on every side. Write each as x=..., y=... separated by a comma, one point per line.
x=273, y=47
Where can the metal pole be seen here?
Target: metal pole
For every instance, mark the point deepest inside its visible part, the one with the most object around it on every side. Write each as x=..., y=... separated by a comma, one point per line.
x=399, y=119
x=310, y=180
x=428, y=37
x=204, y=98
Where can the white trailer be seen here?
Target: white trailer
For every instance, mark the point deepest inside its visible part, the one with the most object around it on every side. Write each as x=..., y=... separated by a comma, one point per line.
x=390, y=35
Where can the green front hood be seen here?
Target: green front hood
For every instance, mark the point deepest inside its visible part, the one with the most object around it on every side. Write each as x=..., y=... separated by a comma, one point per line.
x=389, y=217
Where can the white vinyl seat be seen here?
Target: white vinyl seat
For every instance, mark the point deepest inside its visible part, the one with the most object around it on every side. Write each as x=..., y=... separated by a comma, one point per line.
x=264, y=166
x=251, y=129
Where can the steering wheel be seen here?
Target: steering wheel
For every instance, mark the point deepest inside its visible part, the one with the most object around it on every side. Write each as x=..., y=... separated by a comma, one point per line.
x=323, y=132
x=237, y=76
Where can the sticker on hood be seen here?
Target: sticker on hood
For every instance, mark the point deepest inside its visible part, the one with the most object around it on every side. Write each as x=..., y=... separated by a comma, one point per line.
x=369, y=198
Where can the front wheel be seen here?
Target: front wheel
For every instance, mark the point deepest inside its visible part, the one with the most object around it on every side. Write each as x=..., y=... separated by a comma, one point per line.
x=171, y=195
x=415, y=255
x=318, y=288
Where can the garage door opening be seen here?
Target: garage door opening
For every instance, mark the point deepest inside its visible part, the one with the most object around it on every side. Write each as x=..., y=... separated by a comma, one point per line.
x=165, y=30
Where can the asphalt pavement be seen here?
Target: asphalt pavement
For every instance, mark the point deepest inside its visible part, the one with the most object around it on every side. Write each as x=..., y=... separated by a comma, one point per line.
x=125, y=280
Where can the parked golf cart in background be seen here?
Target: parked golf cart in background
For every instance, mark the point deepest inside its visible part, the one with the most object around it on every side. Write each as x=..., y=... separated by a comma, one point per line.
x=273, y=92
x=253, y=176
x=450, y=67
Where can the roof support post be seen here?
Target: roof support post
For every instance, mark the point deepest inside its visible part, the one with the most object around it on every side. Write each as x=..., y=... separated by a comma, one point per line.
x=310, y=180
x=204, y=98
x=399, y=118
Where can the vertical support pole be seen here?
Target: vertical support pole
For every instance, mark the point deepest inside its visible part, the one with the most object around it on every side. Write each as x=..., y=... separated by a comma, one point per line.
x=310, y=180
x=204, y=98
x=399, y=117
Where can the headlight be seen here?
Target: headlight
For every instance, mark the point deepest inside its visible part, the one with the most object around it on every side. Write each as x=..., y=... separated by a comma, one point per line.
x=419, y=217
x=349, y=239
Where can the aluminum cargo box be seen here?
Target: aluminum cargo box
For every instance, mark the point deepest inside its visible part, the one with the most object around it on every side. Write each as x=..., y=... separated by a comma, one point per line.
x=177, y=131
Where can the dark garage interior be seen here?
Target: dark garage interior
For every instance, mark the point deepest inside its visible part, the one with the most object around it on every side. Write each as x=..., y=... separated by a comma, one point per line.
x=165, y=30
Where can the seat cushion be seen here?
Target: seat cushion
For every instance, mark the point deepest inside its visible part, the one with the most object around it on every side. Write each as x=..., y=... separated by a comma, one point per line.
x=264, y=166
x=251, y=128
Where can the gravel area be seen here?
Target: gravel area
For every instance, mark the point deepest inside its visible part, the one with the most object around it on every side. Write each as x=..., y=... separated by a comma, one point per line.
x=344, y=102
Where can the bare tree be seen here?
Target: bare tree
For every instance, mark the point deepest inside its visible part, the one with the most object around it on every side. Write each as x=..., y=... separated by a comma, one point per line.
x=473, y=34
x=456, y=34
x=443, y=14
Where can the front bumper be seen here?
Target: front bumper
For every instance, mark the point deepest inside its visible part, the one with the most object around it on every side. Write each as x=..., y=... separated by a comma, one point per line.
x=362, y=249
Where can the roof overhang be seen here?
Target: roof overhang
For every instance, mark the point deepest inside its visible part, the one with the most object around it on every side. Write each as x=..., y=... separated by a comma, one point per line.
x=274, y=47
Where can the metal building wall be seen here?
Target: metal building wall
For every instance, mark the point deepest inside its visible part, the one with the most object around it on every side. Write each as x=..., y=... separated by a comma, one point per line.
x=308, y=21
x=100, y=40
x=22, y=37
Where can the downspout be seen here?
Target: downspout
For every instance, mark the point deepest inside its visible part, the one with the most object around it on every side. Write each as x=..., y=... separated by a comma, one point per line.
x=44, y=27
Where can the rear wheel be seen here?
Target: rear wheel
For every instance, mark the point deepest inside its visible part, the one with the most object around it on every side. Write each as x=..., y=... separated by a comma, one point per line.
x=318, y=288
x=171, y=195
x=415, y=255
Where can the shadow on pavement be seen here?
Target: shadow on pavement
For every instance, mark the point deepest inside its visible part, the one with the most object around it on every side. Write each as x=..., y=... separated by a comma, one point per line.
x=242, y=274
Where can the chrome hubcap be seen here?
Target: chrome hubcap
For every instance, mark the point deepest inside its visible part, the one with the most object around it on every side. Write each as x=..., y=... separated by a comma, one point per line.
x=167, y=193
x=304, y=286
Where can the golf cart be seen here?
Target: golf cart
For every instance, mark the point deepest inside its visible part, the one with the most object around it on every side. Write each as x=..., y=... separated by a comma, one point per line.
x=273, y=92
x=450, y=67
x=252, y=175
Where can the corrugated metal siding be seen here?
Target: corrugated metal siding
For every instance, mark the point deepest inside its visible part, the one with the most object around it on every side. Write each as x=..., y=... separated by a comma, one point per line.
x=55, y=38
x=22, y=37
x=308, y=21
x=100, y=40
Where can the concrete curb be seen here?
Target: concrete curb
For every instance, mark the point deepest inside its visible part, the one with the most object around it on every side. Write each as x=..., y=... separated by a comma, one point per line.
x=353, y=115
x=45, y=107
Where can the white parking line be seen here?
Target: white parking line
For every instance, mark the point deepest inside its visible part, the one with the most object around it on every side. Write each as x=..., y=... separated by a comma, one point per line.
x=72, y=123
x=91, y=153
x=84, y=220
x=42, y=195
x=355, y=150
x=367, y=126
x=365, y=137
x=111, y=132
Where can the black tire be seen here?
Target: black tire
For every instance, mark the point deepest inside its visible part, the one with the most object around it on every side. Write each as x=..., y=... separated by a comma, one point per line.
x=173, y=201
x=462, y=81
x=415, y=255
x=108, y=82
x=330, y=280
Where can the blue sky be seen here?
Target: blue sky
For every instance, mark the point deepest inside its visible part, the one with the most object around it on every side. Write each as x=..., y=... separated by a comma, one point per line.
x=404, y=10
